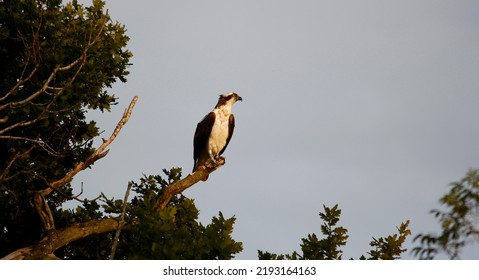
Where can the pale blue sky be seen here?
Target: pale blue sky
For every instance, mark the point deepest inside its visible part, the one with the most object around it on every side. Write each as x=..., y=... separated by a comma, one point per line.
x=369, y=104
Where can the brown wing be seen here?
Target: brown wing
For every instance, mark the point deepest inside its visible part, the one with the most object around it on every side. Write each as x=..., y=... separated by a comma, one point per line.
x=202, y=133
x=231, y=128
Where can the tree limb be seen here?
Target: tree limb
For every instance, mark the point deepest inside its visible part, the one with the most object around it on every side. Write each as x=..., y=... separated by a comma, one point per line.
x=39, y=197
x=61, y=237
x=199, y=175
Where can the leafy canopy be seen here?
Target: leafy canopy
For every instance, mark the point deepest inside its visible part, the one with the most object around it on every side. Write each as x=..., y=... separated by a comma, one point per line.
x=458, y=220
x=56, y=62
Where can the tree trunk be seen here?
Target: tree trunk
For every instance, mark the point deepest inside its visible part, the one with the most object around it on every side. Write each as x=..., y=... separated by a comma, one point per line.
x=58, y=238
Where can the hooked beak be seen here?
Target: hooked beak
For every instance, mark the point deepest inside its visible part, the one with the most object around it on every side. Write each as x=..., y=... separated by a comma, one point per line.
x=239, y=98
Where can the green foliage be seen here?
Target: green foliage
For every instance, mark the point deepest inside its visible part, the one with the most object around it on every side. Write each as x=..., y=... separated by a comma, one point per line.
x=43, y=128
x=389, y=248
x=335, y=237
x=458, y=221
x=171, y=233
x=328, y=247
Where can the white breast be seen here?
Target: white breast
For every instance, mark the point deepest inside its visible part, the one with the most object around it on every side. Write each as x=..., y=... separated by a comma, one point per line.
x=219, y=132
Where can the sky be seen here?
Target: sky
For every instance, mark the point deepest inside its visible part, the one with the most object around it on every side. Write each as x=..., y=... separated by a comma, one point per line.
x=371, y=105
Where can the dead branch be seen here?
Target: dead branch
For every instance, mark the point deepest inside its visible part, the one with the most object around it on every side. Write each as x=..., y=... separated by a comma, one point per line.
x=178, y=187
x=76, y=197
x=39, y=197
x=97, y=154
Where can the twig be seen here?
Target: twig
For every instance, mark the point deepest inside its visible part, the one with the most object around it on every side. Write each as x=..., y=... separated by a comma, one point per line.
x=76, y=197
x=40, y=143
x=121, y=223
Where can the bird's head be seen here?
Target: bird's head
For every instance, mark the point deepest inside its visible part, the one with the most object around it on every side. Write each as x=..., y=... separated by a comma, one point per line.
x=228, y=99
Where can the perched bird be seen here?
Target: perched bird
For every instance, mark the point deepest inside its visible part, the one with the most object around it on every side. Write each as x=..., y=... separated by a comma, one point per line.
x=214, y=131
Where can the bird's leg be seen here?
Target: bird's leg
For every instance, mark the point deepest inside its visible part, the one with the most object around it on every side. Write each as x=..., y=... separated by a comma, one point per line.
x=212, y=157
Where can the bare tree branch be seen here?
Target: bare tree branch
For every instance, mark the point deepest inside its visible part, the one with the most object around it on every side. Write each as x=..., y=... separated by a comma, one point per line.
x=98, y=154
x=178, y=187
x=76, y=197
x=40, y=202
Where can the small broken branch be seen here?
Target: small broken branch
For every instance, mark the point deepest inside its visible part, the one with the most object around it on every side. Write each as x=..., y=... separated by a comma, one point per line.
x=122, y=222
x=44, y=211
x=76, y=197
x=178, y=187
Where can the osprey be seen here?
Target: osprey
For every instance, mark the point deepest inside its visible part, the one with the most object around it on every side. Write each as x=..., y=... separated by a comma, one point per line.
x=214, y=131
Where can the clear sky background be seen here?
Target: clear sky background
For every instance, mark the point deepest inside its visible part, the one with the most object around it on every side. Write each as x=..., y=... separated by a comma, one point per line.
x=369, y=104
